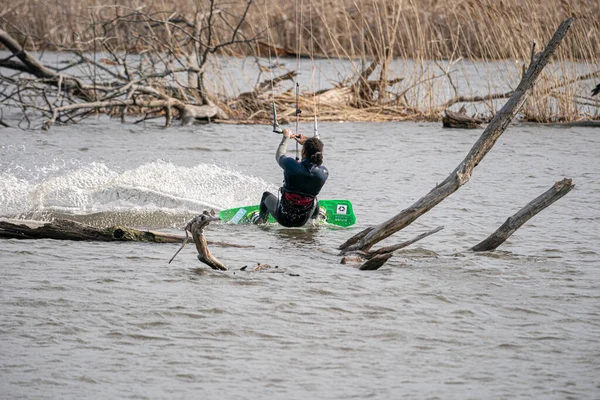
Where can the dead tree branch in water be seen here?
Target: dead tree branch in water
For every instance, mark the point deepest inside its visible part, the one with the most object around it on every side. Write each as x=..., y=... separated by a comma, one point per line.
x=375, y=259
x=558, y=190
x=367, y=238
x=196, y=226
x=62, y=229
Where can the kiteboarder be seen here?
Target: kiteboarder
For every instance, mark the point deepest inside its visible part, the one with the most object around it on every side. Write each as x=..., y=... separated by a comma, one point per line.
x=303, y=180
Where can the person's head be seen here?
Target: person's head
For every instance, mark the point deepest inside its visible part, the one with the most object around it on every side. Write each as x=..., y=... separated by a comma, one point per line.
x=313, y=150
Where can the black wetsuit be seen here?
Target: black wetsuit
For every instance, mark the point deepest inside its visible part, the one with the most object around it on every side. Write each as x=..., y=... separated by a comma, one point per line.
x=302, y=183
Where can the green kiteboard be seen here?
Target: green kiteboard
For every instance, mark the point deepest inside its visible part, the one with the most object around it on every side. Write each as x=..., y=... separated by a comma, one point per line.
x=336, y=212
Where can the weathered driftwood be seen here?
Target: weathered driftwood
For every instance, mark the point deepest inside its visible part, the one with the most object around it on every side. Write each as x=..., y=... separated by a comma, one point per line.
x=558, y=190
x=63, y=229
x=365, y=239
x=376, y=262
x=460, y=120
x=196, y=226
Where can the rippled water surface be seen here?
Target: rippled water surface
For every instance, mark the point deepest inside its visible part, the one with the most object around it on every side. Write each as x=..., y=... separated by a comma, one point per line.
x=97, y=320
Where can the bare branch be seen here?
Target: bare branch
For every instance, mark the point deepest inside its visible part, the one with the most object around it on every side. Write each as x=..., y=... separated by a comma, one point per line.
x=557, y=191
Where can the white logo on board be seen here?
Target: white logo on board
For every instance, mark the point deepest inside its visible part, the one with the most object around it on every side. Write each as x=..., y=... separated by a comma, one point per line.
x=341, y=209
x=238, y=216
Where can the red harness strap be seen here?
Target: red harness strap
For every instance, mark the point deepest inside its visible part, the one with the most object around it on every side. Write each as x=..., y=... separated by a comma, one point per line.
x=298, y=200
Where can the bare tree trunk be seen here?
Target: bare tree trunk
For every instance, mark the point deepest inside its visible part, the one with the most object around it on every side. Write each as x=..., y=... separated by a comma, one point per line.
x=461, y=175
x=31, y=65
x=63, y=229
x=558, y=190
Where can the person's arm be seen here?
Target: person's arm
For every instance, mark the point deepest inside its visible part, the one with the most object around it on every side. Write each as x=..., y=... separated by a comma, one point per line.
x=282, y=148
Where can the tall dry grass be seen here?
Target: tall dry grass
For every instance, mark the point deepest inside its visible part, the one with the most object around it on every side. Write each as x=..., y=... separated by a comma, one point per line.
x=481, y=29
x=361, y=30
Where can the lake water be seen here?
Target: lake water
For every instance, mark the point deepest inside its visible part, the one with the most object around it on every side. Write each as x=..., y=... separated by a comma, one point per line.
x=114, y=320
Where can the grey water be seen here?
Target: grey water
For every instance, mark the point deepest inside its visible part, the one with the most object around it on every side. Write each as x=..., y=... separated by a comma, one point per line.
x=114, y=320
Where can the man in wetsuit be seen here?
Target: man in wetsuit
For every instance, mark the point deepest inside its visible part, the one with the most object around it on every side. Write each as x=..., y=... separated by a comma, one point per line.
x=302, y=183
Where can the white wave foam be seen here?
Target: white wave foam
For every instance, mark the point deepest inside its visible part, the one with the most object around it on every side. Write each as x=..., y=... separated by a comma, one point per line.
x=155, y=186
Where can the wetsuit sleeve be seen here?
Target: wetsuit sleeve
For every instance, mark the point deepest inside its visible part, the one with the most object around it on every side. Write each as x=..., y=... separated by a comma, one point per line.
x=281, y=149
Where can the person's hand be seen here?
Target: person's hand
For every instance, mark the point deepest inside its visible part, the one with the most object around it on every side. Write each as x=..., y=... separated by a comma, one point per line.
x=300, y=139
x=287, y=133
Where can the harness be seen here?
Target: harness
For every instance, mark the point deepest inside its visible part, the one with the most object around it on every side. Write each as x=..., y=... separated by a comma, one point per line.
x=297, y=200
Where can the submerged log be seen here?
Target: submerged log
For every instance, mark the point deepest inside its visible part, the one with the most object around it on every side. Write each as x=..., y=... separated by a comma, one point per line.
x=376, y=262
x=367, y=238
x=375, y=259
x=558, y=190
x=63, y=229
x=460, y=120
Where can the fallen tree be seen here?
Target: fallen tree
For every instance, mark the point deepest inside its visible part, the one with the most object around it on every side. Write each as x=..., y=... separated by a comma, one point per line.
x=62, y=229
x=366, y=239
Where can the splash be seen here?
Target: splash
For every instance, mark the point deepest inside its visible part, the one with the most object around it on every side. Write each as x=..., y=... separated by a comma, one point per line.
x=150, y=189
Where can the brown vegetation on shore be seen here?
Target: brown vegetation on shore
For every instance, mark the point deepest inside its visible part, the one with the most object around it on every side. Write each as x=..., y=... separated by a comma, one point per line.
x=369, y=33
x=481, y=29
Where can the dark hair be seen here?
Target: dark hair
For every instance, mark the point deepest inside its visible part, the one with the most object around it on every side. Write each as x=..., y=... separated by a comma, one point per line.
x=313, y=150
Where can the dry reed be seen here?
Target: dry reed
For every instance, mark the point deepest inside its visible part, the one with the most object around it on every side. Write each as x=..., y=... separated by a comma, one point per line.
x=362, y=30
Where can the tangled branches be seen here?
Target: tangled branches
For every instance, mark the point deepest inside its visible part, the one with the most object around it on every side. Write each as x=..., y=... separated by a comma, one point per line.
x=160, y=71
